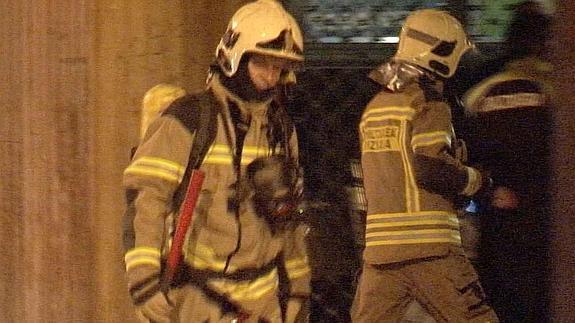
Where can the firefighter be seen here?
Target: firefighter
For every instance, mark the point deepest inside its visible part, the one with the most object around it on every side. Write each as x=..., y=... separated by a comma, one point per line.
x=509, y=134
x=241, y=240
x=412, y=178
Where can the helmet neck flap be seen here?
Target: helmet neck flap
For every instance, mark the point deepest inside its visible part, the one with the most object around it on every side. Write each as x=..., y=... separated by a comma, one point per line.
x=397, y=75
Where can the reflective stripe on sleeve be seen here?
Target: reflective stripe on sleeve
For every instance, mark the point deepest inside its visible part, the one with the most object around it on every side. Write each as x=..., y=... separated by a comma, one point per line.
x=430, y=138
x=297, y=267
x=142, y=256
x=473, y=182
x=156, y=167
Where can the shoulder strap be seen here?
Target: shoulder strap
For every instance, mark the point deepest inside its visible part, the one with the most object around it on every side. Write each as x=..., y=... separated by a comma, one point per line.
x=198, y=112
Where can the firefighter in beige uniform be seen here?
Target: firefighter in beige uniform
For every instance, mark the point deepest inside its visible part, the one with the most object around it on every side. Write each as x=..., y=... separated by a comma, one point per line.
x=413, y=244
x=232, y=251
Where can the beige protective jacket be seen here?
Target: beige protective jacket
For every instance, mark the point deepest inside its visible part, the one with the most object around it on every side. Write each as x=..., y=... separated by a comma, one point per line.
x=218, y=240
x=411, y=176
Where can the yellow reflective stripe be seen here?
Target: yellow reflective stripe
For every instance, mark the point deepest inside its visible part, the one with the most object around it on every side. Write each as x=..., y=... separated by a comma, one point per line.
x=154, y=173
x=409, y=232
x=255, y=150
x=247, y=150
x=430, y=138
x=411, y=188
x=140, y=262
x=157, y=167
x=374, y=119
x=142, y=256
x=294, y=274
x=220, y=154
x=474, y=182
x=413, y=241
x=405, y=111
x=203, y=257
x=377, y=223
x=414, y=236
x=249, y=153
x=247, y=290
x=297, y=267
x=448, y=222
x=219, y=149
x=407, y=214
x=149, y=251
x=200, y=263
x=387, y=113
x=162, y=162
x=297, y=262
x=247, y=159
x=218, y=160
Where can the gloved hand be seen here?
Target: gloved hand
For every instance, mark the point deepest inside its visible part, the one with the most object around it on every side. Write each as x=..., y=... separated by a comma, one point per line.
x=157, y=309
x=504, y=198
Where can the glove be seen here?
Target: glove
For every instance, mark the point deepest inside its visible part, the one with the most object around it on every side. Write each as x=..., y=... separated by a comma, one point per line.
x=504, y=198
x=151, y=302
x=157, y=309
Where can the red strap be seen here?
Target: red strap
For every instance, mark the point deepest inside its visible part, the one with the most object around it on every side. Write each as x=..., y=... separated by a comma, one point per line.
x=184, y=220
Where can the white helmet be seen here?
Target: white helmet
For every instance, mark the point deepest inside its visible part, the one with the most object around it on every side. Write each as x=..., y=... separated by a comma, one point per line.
x=261, y=27
x=434, y=40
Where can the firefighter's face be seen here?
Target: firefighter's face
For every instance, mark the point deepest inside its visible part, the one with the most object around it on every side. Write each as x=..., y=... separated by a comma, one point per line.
x=266, y=71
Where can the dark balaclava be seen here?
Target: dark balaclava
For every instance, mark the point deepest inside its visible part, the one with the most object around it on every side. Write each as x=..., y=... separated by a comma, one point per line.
x=242, y=86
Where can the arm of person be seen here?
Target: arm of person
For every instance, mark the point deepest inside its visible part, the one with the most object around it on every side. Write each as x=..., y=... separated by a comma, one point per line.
x=436, y=169
x=155, y=172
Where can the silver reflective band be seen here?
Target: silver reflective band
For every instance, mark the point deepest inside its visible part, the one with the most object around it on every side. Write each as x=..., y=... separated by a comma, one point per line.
x=512, y=101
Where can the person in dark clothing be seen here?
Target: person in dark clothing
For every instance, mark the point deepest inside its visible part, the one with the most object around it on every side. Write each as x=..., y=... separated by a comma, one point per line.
x=508, y=133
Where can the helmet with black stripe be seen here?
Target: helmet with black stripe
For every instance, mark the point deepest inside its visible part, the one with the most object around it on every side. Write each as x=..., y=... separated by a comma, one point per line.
x=262, y=27
x=433, y=40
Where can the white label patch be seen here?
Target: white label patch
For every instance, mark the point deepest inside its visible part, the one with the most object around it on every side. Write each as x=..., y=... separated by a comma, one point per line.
x=512, y=101
x=381, y=139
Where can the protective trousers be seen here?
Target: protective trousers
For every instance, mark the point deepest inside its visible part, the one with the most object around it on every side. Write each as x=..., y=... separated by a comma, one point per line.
x=447, y=287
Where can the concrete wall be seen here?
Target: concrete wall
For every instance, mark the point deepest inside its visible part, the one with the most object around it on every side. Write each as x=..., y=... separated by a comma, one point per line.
x=72, y=77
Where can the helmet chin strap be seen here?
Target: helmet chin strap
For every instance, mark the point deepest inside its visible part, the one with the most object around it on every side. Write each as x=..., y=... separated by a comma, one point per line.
x=241, y=84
